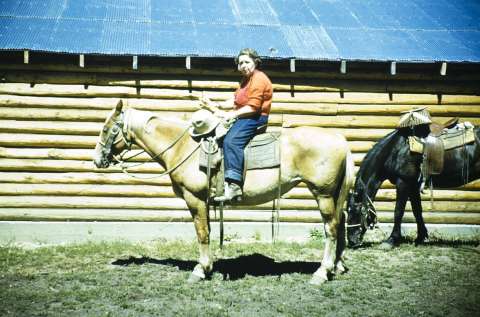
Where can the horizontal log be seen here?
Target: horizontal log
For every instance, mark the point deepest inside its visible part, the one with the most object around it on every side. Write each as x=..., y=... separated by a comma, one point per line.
x=48, y=140
x=167, y=216
x=298, y=193
x=12, y=189
x=435, y=218
x=383, y=122
x=192, y=105
x=152, y=81
x=31, y=165
x=435, y=111
x=89, y=142
x=82, y=178
x=93, y=129
x=149, y=179
x=36, y=201
x=47, y=90
x=388, y=194
x=64, y=154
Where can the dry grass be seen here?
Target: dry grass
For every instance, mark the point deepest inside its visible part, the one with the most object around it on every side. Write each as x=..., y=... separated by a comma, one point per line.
x=254, y=279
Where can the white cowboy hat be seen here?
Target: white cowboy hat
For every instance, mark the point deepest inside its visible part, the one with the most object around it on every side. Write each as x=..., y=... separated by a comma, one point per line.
x=202, y=122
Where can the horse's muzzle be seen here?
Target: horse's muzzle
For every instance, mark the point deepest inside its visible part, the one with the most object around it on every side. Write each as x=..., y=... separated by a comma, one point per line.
x=100, y=162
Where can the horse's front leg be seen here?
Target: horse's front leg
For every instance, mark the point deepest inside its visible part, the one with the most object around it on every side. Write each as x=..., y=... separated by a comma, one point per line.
x=327, y=209
x=416, y=202
x=198, y=210
x=402, y=197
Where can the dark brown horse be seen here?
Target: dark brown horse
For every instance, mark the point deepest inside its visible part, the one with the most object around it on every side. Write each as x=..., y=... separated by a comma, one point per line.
x=391, y=158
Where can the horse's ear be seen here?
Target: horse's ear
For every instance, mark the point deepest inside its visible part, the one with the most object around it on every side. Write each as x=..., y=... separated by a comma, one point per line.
x=119, y=106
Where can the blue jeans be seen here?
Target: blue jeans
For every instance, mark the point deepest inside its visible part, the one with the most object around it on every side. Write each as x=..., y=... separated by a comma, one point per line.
x=237, y=138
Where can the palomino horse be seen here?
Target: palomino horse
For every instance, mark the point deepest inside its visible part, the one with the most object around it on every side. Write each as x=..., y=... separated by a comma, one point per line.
x=390, y=158
x=311, y=155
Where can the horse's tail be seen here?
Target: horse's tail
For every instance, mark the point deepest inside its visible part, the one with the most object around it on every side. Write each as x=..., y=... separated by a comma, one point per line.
x=348, y=181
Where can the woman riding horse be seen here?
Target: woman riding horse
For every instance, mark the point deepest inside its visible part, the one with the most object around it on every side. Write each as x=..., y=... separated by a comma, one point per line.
x=252, y=103
x=326, y=167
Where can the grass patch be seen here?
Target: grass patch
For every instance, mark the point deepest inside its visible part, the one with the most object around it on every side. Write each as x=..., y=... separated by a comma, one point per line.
x=249, y=279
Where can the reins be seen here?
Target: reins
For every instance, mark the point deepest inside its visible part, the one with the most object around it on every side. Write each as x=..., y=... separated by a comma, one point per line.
x=129, y=143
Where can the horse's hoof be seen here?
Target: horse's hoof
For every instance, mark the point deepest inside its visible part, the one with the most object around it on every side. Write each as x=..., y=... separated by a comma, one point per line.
x=421, y=241
x=388, y=244
x=197, y=274
x=194, y=278
x=317, y=280
x=340, y=269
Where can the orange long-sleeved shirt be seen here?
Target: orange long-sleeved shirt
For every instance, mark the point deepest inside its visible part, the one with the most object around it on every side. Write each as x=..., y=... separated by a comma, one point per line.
x=256, y=92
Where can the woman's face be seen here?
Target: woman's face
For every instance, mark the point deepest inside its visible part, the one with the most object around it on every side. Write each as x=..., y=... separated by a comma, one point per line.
x=246, y=65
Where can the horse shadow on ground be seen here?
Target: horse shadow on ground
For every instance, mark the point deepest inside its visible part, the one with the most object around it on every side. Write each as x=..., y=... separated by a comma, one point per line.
x=235, y=268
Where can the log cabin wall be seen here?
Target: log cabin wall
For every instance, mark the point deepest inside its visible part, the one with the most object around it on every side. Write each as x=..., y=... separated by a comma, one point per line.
x=51, y=112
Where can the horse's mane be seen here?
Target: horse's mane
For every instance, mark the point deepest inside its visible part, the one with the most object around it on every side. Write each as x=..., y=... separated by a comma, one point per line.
x=375, y=157
x=138, y=119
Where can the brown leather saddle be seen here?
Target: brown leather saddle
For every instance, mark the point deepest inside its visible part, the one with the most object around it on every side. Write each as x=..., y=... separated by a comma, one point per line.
x=442, y=137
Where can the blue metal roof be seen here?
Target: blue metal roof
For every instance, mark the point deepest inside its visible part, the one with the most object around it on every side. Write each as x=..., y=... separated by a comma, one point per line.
x=379, y=30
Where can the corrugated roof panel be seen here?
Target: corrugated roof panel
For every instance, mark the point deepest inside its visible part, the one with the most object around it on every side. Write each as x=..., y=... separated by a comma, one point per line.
x=86, y=9
x=8, y=8
x=441, y=43
x=471, y=40
x=82, y=36
x=306, y=29
x=179, y=11
x=26, y=33
x=124, y=37
x=254, y=12
x=445, y=13
x=294, y=12
x=333, y=13
x=47, y=9
x=173, y=39
x=132, y=10
x=310, y=42
x=397, y=44
x=213, y=12
x=267, y=40
x=372, y=14
x=354, y=44
x=410, y=16
x=217, y=40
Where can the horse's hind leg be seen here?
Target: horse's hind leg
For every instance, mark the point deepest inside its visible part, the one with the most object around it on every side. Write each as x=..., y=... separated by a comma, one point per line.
x=327, y=209
x=339, y=263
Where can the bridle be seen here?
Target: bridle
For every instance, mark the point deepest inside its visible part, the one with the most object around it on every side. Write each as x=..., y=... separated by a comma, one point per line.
x=119, y=132
x=367, y=209
x=116, y=134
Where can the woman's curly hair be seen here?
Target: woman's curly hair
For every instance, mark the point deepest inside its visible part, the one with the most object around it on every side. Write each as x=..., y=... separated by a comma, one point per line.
x=250, y=52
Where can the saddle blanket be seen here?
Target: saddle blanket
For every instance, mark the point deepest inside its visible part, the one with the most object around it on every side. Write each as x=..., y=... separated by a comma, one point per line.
x=263, y=151
x=450, y=140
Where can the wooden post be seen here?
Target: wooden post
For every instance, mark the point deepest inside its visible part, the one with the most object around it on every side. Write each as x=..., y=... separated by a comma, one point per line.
x=343, y=67
x=135, y=62
x=81, y=61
